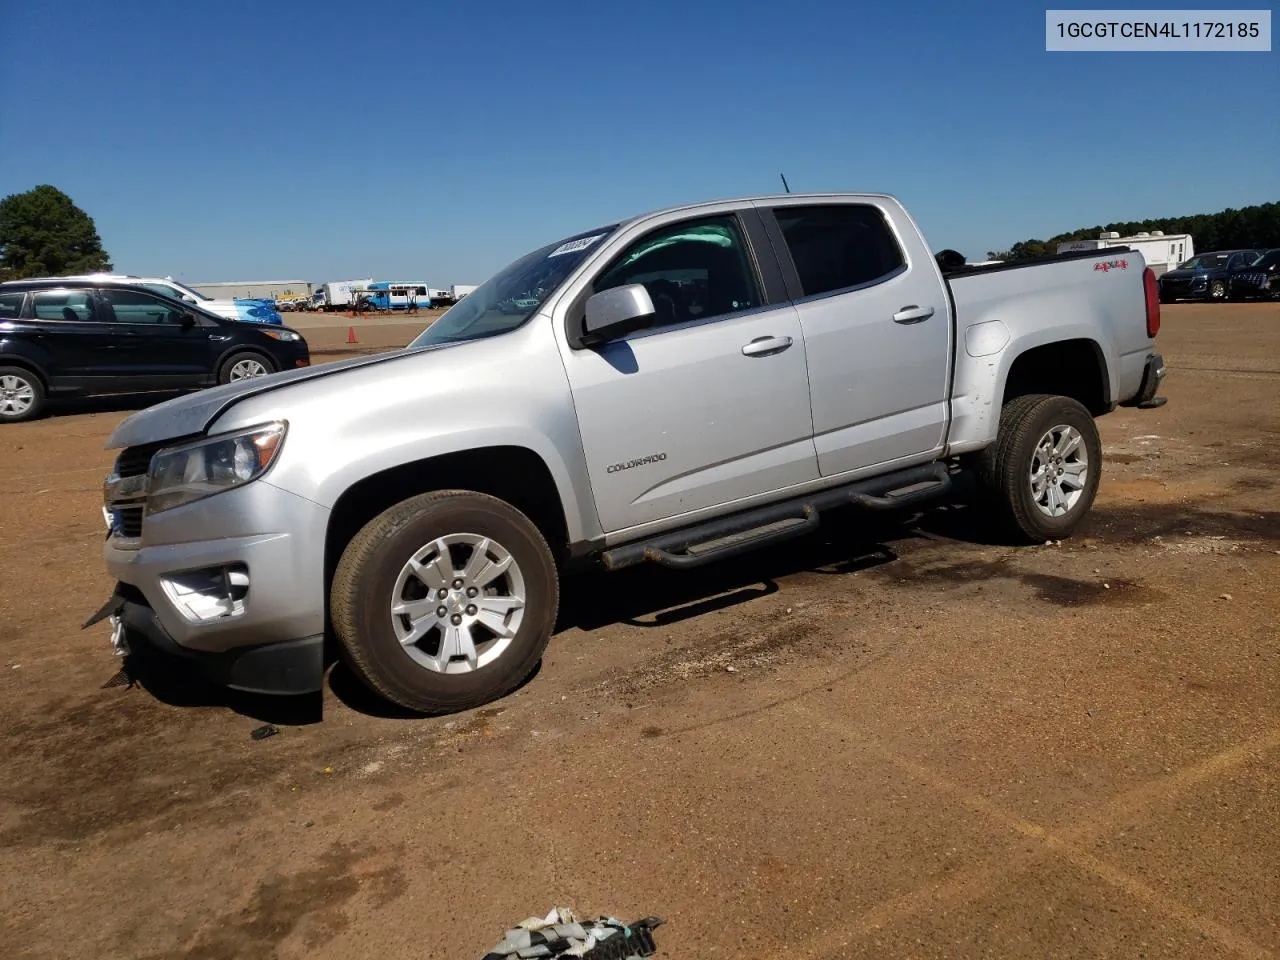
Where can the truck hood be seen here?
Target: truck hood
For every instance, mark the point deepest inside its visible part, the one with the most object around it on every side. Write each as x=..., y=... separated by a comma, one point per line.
x=189, y=415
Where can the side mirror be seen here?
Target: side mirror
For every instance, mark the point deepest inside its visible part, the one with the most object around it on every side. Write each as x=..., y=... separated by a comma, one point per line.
x=186, y=321
x=618, y=311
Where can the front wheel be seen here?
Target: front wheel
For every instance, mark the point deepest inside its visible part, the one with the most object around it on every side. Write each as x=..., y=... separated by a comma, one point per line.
x=245, y=365
x=1041, y=475
x=445, y=601
x=1217, y=290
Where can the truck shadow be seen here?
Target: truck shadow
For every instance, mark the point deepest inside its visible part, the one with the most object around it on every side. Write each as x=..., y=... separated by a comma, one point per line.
x=176, y=683
x=651, y=596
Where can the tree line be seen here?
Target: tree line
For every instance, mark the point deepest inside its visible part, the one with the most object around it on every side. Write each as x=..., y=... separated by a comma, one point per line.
x=1249, y=227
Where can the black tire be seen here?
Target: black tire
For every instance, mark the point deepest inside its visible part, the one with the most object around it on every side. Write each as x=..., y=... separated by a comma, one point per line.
x=1217, y=290
x=1004, y=468
x=224, y=372
x=365, y=581
x=22, y=382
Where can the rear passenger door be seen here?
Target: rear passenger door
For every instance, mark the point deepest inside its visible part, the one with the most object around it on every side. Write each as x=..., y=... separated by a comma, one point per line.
x=877, y=329
x=158, y=347
x=67, y=327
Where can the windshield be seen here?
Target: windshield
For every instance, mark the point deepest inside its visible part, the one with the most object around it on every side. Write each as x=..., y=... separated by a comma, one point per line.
x=1206, y=261
x=514, y=294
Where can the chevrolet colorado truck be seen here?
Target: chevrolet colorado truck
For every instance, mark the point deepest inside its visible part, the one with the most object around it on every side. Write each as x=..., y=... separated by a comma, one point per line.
x=674, y=389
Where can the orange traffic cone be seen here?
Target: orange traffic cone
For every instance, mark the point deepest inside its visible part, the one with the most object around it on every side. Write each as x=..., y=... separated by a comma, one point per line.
x=351, y=335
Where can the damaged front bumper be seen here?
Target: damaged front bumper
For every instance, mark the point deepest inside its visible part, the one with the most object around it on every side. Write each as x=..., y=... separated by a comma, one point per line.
x=286, y=667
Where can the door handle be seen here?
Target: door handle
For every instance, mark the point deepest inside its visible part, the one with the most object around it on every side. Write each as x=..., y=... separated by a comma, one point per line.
x=762, y=346
x=912, y=314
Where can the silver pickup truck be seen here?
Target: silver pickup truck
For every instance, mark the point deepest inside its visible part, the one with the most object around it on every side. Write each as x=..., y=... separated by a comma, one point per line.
x=673, y=389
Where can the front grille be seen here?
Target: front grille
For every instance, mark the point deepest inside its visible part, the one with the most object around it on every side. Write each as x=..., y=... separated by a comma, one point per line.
x=1251, y=279
x=135, y=460
x=128, y=522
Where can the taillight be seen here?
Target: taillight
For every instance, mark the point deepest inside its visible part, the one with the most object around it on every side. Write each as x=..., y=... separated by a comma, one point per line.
x=1153, y=302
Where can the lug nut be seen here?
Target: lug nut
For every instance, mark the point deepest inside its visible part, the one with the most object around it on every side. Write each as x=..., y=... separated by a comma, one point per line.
x=472, y=591
x=471, y=609
x=456, y=619
x=457, y=584
x=442, y=593
x=442, y=612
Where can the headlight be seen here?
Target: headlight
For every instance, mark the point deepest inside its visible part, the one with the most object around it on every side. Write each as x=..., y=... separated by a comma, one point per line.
x=288, y=336
x=182, y=474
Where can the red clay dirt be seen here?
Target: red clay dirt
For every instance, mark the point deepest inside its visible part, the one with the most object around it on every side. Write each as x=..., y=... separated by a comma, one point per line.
x=887, y=740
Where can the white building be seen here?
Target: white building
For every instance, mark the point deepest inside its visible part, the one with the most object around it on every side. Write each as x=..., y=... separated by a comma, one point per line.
x=1162, y=251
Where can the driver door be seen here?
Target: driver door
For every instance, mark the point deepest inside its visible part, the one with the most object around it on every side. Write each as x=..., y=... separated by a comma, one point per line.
x=156, y=347
x=710, y=404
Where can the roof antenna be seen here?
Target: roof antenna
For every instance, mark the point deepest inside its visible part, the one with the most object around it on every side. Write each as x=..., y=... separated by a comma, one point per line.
x=784, y=182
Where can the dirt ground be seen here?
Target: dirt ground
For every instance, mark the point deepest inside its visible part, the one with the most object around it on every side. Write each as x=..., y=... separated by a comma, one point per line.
x=887, y=740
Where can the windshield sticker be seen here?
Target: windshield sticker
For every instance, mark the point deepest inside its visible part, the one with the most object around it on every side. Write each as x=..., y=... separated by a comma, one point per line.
x=573, y=246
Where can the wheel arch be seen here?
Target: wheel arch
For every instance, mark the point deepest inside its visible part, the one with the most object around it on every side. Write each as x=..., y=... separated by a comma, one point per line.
x=1075, y=368
x=514, y=474
x=26, y=363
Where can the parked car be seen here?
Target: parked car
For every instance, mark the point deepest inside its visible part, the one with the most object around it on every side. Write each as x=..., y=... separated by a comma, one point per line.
x=78, y=337
x=239, y=308
x=1205, y=276
x=677, y=388
x=1259, y=280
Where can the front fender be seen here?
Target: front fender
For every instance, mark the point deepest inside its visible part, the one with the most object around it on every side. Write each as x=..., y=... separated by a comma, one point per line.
x=508, y=391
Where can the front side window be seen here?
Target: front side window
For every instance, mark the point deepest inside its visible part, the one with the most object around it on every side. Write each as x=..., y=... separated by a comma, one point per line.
x=693, y=270
x=839, y=246
x=134, y=306
x=11, y=305
x=74, y=306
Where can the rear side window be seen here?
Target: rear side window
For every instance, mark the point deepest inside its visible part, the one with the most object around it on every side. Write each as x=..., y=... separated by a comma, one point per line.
x=839, y=246
x=10, y=305
x=74, y=306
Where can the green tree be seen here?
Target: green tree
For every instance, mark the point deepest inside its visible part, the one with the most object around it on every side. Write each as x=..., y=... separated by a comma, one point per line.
x=43, y=234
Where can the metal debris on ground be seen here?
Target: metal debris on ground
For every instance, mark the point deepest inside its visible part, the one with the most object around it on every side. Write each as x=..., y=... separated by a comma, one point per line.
x=561, y=934
x=264, y=731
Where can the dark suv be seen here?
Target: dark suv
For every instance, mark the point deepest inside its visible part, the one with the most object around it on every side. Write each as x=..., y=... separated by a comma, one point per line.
x=74, y=337
x=1205, y=276
x=1259, y=280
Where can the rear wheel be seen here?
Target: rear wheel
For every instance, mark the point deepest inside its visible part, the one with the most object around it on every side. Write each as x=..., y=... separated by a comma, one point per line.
x=21, y=395
x=1217, y=290
x=245, y=365
x=1041, y=475
x=445, y=601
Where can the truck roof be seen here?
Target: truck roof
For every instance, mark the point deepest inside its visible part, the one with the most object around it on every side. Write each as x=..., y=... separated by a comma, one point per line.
x=762, y=198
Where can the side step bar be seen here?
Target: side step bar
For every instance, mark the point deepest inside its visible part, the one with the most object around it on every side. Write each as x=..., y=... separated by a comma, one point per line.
x=730, y=536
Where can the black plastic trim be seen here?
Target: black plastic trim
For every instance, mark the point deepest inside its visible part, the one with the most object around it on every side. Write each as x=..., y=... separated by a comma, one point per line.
x=286, y=668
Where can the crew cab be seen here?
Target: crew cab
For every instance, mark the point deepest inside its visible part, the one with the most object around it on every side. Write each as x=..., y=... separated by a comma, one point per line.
x=675, y=388
x=81, y=338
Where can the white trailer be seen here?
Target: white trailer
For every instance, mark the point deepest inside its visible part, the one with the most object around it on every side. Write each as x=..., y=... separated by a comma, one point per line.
x=460, y=290
x=339, y=294
x=1162, y=251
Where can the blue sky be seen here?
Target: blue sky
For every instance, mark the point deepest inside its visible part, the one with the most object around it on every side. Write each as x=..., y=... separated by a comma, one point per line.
x=242, y=140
